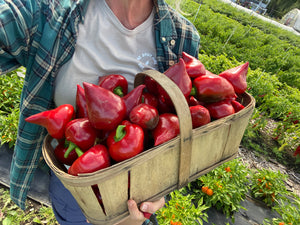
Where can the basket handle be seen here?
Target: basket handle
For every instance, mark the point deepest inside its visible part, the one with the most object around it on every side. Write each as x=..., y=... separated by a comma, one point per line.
x=184, y=116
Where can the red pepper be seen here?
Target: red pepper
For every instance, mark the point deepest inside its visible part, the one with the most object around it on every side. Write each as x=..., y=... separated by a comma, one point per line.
x=81, y=133
x=177, y=73
x=193, y=66
x=54, y=120
x=192, y=101
x=60, y=151
x=105, y=109
x=200, y=115
x=144, y=115
x=133, y=98
x=237, y=77
x=126, y=141
x=166, y=129
x=81, y=108
x=237, y=106
x=220, y=109
x=297, y=152
x=115, y=83
x=149, y=99
x=151, y=85
x=94, y=159
x=165, y=105
x=213, y=88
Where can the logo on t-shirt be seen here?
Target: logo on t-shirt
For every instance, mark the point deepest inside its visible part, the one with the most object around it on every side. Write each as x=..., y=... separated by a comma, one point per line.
x=147, y=61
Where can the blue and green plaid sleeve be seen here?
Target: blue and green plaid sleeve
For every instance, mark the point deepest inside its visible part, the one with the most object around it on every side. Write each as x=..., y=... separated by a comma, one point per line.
x=16, y=29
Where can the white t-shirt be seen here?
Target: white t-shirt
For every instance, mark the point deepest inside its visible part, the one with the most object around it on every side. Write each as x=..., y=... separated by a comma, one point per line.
x=104, y=46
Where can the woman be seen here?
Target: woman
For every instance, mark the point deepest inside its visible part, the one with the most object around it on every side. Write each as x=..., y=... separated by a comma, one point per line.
x=65, y=42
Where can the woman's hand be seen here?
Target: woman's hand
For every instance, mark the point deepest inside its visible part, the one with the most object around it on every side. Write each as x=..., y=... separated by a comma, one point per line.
x=136, y=215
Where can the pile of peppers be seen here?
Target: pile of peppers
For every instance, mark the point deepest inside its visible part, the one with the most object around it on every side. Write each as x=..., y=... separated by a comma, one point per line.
x=110, y=124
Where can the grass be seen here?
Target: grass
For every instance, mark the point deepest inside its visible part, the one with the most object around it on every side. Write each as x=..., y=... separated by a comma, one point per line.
x=34, y=214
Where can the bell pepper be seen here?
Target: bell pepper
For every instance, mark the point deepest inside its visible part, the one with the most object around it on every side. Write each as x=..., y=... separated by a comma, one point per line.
x=94, y=159
x=166, y=129
x=133, y=98
x=81, y=108
x=144, y=115
x=115, y=83
x=220, y=109
x=200, y=116
x=237, y=76
x=193, y=66
x=126, y=141
x=54, y=120
x=105, y=109
x=81, y=133
x=60, y=151
x=213, y=88
x=237, y=106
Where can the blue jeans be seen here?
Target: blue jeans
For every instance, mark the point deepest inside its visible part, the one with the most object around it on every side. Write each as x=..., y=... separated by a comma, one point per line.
x=65, y=207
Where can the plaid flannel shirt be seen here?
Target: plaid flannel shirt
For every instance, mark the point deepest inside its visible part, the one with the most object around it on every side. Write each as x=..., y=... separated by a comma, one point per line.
x=41, y=36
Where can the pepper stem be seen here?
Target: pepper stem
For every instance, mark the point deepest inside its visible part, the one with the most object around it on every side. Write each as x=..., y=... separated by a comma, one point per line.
x=78, y=151
x=120, y=133
x=193, y=91
x=119, y=91
x=71, y=147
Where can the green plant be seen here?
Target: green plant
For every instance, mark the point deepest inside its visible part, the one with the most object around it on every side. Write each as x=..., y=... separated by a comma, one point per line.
x=10, y=89
x=12, y=214
x=288, y=210
x=268, y=186
x=180, y=210
x=224, y=187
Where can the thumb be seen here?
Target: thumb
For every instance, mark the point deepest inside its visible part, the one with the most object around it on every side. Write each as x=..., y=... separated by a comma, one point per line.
x=152, y=207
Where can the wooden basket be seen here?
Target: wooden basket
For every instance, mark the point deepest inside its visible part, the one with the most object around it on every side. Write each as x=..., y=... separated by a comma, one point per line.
x=161, y=169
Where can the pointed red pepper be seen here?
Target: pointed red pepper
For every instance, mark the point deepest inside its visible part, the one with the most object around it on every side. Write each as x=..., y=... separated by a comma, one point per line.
x=133, y=98
x=105, y=109
x=115, y=83
x=237, y=76
x=126, y=141
x=193, y=66
x=94, y=159
x=54, y=120
x=166, y=129
x=177, y=73
x=81, y=108
x=213, y=88
x=81, y=133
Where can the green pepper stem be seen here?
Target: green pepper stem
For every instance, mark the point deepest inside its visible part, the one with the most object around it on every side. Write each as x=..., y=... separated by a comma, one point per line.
x=120, y=133
x=78, y=151
x=71, y=147
x=193, y=91
x=119, y=91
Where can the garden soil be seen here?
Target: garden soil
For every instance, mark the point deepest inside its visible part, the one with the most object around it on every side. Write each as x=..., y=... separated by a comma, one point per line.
x=256, y=211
